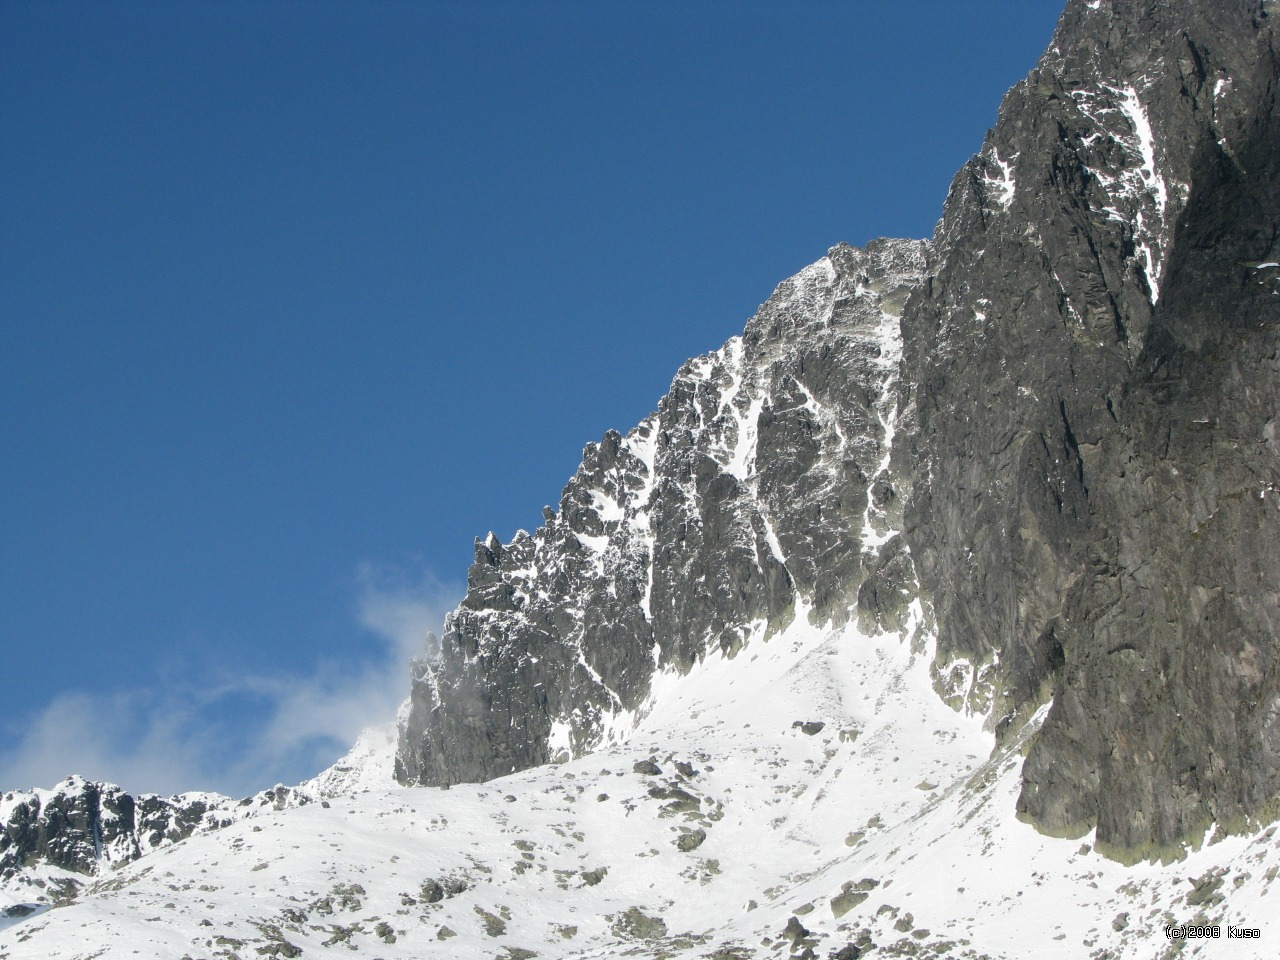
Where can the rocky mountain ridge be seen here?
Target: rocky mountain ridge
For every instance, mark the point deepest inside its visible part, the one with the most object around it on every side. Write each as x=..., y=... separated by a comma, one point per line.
x=1066, y=403
x=763, y=477
x=55, y=841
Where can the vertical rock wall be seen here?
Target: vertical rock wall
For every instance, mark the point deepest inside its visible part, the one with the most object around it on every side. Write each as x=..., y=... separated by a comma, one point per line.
x=1096, y=378
x=1073, y=424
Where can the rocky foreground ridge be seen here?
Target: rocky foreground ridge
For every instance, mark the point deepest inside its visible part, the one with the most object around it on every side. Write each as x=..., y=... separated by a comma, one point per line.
x=1054, y=425
x=54, y=842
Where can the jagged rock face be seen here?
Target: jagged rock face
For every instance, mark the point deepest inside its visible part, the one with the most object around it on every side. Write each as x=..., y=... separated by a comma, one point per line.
x=81, y=825
x=763, y=477
x=1082, y=428
x=1096, y=379
x=84, y=827
x=67, y=830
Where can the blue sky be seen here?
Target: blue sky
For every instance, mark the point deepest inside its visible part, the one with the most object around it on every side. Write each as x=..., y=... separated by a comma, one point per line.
x=297, y=299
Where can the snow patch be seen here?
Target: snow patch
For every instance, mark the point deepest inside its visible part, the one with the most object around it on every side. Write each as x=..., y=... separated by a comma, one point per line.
x=560, y=741
x=1149, y=248
x=1003, y=186
x=1138, y=196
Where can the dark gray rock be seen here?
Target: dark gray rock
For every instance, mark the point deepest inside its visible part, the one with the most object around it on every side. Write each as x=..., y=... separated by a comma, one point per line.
x=889, y=587
x=690, y=840
x=1095, y=381
x=844, y=901
x=794, y=930
x=433, y=890
x=749, y=489
x=81, y=824
x=635, y=924
x=85, y=827
x=1081, y=490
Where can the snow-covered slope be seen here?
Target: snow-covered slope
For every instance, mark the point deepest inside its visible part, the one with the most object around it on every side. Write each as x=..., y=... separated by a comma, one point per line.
x=370, y=763
x=815, y=775
x=56, y=841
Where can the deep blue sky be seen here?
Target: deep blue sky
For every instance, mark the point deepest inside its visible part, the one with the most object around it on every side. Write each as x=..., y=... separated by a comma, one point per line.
x=297, y=299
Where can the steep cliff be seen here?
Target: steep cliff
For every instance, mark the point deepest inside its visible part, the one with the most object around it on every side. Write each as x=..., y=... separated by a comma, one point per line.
x=1094, y=365
x=763, y=477
x=1071, y=418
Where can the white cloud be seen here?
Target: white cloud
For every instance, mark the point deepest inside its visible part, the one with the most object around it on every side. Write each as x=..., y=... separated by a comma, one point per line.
x=238, y=734
x=124, y=736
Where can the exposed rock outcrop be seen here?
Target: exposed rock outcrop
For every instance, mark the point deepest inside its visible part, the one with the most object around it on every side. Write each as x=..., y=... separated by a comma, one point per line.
x=81, y=825
x=764, y=477
x=1078, y=441
x=1094, y=365
x=84, y=828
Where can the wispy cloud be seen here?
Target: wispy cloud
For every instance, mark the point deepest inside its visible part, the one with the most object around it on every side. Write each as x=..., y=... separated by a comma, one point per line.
x=239, y=733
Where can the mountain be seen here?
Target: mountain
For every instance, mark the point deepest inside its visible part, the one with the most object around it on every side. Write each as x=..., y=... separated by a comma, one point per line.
x=1072, y=447
x=933, y=616
x=763, y=479
x=56, y=840
x=1095, y=374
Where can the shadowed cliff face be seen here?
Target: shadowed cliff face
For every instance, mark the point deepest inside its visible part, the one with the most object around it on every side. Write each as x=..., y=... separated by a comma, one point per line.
x=1055, y=424
x=1174, y=679
x=1096, y=379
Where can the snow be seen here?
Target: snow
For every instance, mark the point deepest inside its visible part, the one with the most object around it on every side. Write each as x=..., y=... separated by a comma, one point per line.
x=642, y=443
x=594, y=675
x=742, y=464
x=369, y=763
x=888, y=335
x=1154, y=183
x=1071, y=307
x=617, y=727
x=738, y=458
x=1139, y=194
x=595, y=547
x=608, y=509
x=771, y=538
x=1003, y=186
x=560, y=740
x=895, y=788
